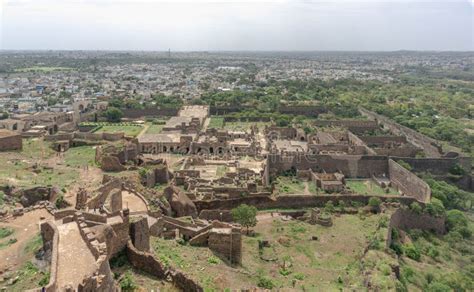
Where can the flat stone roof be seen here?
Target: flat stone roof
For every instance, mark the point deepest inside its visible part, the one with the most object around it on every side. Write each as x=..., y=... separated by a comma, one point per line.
x=291, y=145
x=156, y=138
x=7, y=133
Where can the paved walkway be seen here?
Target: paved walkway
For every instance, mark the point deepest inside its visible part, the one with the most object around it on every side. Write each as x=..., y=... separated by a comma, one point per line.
x=75, y=260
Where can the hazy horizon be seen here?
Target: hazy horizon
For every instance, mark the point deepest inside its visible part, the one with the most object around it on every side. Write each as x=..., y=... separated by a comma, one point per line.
x=220, y=26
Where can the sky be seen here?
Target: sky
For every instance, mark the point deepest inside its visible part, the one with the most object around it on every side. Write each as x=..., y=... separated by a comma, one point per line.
x=154, y=25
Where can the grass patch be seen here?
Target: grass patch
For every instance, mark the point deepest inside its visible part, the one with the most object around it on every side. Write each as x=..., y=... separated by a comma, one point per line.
x=80, y=156
x=5, y=232
x=216, y=122
x=369, y=187
x=289, y=185
x=154, y=129
x=127, y=129
x=34, y=244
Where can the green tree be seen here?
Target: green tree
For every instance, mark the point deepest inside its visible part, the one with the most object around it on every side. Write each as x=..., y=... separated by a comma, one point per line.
x=113, y=114
x=245, y=215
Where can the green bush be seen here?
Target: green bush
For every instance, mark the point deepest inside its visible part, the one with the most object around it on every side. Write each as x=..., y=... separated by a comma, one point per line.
x=435, y=208
x=404, y=165
x=375, y=202
x=329, y=207
x=416, y=208
x=455, y=219
x=264, y=282
x=127, y=283
x=412, y=252
x=438, y=287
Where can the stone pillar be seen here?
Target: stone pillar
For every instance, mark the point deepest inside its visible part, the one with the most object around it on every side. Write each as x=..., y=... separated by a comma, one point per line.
x=140, y=234
x=116, y=200
x=81, y=199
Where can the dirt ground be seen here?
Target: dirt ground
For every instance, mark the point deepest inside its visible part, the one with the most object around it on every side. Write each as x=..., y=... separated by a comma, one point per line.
x=26, y=227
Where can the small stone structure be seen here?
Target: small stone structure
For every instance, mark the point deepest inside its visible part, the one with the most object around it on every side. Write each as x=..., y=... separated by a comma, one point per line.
x=10, y=140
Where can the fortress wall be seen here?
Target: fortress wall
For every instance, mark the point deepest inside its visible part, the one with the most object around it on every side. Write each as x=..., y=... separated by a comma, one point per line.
x=149, y=263
x=408, y=182
x=406, y=220
x=149, y=112
x=438, y=166
x=432, y=147
x=291, y=201
x=352, y=166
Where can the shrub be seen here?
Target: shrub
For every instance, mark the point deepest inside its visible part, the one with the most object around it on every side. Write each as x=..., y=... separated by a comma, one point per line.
x=329, y=207
x=435, y=207
x=412, y=252
x=455, y=219
x=59, y=201
x=213, y=260
x=404, y=165
x=457, y=170
x=416, y=208
x=264, y=282
x=374, y=202
x=127, y=283
x=299, y=276
x=438, y=287
x=397, y=248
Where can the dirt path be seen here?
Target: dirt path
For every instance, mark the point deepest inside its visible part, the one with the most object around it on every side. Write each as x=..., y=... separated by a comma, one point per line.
x=75, y=260
x=26, y=228
x=133, y=202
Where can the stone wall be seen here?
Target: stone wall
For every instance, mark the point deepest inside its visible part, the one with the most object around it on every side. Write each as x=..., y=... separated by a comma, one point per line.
x=149, y=263
x=9, y=142
x=221, y=215
x=431, y=147
x=408, y=182
x=355, y=126
x=437, y=166
x=303, y=110
x=406, y=220
x=352, y=166
x=291, y=201
x=149, y=112
x=226, y=242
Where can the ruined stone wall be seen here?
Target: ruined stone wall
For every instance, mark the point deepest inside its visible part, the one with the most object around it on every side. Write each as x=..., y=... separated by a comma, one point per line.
x=352, y=166
x=228, y=245
x=59, y=137
x=406, y=220
x=438, y=166
x=432, y=147
x=50, y=235
x=149, y=263
x=355, y=126
x=149, y=112
x=211, y=215
x=291, y=201
x=12, y=142
x=408, y=182
x=303, y=110
x=103, y=192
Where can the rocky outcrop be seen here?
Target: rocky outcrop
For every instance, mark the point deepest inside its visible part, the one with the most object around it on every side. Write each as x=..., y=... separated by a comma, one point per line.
x=180, y=203
x=111, y=163
x=30, y=197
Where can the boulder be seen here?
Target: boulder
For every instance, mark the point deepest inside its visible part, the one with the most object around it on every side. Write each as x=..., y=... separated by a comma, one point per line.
x=111, y=163
x=180, y=202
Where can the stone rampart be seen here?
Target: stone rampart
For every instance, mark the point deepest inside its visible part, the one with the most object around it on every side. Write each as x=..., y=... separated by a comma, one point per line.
x=149, y=112
x=431, y=147
x=406, y=220
x=408, y=182
x=291, y=201
x=352, y=166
